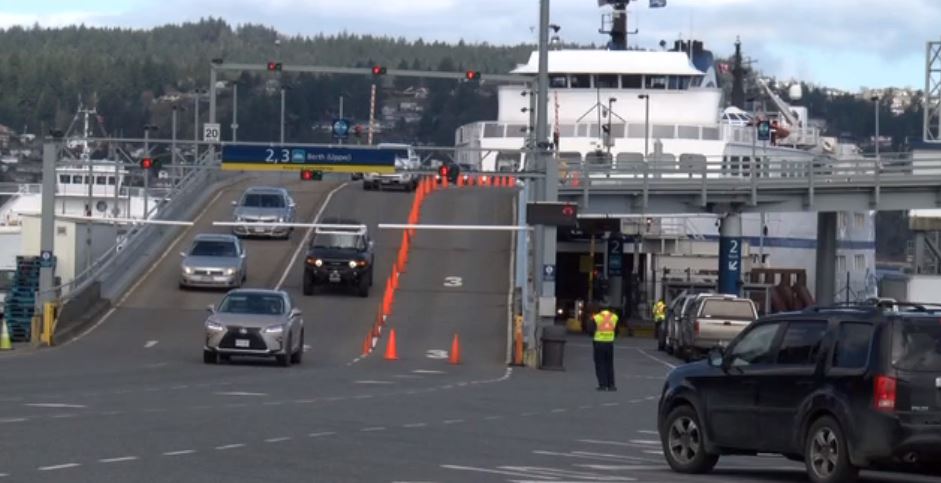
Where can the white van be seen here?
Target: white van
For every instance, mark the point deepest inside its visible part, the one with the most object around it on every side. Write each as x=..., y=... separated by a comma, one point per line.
x=405, y=175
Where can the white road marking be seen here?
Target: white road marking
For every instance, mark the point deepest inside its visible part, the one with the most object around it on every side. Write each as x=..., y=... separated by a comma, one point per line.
x=153, y=267
x=55, y=405
x=453, y=421
x=646, y=441
x=657, y=359
x=415, y=425
x=364, y=396
x=150, y=343
x=373, y=382
x=230, y=446
x=4, y=475
x=624, y=467
x=492, y=418
x=240, y=393
x=654, y=452
x=586, y=455
x=278, y=440
x=559, y=473
x=180, y=452
x=611, y=404
x=12, y=420
x=303, y=244
x=453, y=282
x=118, y=460
x=374, y=428
x=558, y=410
x=321, y=434
x=495, y=472
x=58, y=467
x=306, y=347
x=426, y=371
x=407, y=376
x=436, y=354
x=648, y=431
x=63, y=416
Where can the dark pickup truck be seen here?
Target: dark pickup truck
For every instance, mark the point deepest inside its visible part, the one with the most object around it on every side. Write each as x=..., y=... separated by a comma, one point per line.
x=339, y=256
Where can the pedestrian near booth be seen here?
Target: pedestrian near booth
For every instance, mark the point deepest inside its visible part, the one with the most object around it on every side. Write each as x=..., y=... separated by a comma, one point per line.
x=659, y=316
x=605, y=325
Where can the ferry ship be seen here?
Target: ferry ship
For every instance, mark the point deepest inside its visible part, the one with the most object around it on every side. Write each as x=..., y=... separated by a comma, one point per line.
x=621, y=106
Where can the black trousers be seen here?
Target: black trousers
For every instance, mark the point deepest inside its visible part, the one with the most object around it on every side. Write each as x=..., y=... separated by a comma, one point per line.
x=604, y=363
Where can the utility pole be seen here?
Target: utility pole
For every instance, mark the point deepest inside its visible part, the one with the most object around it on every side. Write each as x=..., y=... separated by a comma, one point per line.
x=339, y=139
x=173, y=159
x=546, y=236
x=50, y=152
x=282, y=114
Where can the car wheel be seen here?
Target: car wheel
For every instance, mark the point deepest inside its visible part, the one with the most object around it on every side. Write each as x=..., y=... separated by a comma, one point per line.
x=684, y=443
x=827, y=457
x=298, y=355
x=363, y=288
x=308, y=285
x=284, y=360
x=210, y=357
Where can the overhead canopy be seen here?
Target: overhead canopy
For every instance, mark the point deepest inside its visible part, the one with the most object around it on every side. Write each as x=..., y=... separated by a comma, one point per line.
x=612, y=62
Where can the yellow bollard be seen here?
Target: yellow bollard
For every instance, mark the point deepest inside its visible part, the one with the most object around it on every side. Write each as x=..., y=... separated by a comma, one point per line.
x=48, y=323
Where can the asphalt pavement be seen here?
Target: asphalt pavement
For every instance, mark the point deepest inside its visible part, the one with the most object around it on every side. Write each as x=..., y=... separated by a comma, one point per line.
x=132, y=400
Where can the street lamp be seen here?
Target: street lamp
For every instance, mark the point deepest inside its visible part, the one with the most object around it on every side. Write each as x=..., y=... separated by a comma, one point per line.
x=646, y=98
x=609, y=142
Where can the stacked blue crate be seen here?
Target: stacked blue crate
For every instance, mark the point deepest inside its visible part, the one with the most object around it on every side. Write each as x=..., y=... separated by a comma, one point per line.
x=20, y=303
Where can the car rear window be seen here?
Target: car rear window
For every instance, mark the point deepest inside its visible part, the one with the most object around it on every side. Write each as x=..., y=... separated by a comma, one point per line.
x=916, y=345
x=727, y=309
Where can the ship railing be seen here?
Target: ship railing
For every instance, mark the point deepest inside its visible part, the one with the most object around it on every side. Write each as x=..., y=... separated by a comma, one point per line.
x=666, y=169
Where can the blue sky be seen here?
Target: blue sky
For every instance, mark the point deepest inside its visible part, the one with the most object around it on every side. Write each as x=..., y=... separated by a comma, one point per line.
x=840, y=43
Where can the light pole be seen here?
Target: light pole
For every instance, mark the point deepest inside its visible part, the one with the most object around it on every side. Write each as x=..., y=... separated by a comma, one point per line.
x=196, y=98
x=235, y=112
x=147, y=129
x=646, y=98
x=282, y=114
x=609, y=142
x=875, y=101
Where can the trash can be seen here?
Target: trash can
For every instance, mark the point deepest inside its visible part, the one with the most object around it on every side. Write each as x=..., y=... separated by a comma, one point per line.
x=553, y=348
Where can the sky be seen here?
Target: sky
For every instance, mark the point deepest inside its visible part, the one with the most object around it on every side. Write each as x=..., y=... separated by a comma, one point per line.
x=846, y=44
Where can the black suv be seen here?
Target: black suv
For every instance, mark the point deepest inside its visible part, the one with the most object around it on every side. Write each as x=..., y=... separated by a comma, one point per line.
x=340, y=256
x=838, y=388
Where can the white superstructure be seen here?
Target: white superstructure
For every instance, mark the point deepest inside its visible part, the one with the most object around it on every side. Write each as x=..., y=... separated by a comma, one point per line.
x=613, y=109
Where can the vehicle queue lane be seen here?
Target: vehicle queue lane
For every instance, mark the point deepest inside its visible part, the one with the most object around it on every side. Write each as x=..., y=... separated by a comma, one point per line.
x=157, y=327
x=456, y=282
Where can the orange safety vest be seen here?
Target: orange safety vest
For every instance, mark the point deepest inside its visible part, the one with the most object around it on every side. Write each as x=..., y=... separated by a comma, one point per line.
x=605, y=325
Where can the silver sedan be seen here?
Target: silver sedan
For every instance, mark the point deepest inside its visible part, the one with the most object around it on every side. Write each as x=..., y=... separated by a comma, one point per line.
x=260, y=323
x=214, y=261
x=264, y=205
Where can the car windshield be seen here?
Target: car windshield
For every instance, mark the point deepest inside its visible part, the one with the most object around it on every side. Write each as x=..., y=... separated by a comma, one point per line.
x=727, y=309
x=344, y=241
x=261, y=200
x=208, y=248
x=252, y=303
x=916, y=345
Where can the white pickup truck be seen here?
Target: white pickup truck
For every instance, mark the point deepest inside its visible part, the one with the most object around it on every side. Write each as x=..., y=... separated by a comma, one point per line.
x=405, y=175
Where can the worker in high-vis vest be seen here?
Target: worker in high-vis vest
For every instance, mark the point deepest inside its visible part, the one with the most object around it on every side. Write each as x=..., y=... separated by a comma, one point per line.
x=659, y=316
x=606, y=323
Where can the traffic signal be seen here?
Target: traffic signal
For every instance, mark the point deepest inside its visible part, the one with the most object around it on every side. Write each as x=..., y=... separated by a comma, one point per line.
x=274, y=66
x=378, y=70
x=311, y=175
x=552, y=214
x=146, y=163
x=472, y=75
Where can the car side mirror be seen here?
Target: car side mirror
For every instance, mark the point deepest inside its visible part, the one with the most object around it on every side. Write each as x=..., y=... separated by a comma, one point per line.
x=716, y=357
x=183, y=254
x=296, y=313
x=211, y=308
x=235, y=203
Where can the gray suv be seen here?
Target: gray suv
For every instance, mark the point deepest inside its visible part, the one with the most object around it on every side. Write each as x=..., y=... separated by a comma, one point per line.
x=259, y=323
x=264, y=205
x=214, y=261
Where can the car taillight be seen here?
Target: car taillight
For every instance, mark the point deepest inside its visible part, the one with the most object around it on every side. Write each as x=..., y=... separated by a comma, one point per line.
x=883, y=398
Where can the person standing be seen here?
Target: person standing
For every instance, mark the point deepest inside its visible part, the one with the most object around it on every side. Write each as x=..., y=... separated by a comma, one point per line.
x=606, y=323
x=659, y=316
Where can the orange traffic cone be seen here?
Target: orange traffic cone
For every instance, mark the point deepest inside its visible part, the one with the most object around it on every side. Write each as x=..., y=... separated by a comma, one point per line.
x=367, y=344
x=455, y=350
x=460, y=181
x=395, y=280
x=392, y=353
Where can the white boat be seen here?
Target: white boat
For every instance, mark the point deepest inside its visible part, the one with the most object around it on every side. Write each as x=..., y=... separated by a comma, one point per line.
x=593, y=91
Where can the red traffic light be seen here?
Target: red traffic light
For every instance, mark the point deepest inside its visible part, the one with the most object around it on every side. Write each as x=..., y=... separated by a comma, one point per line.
x=311, y=175
x=568, y=211
x=443, y=171
x=378, y=70
x=146, y=163
x=472, y=75
x=274, y=66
